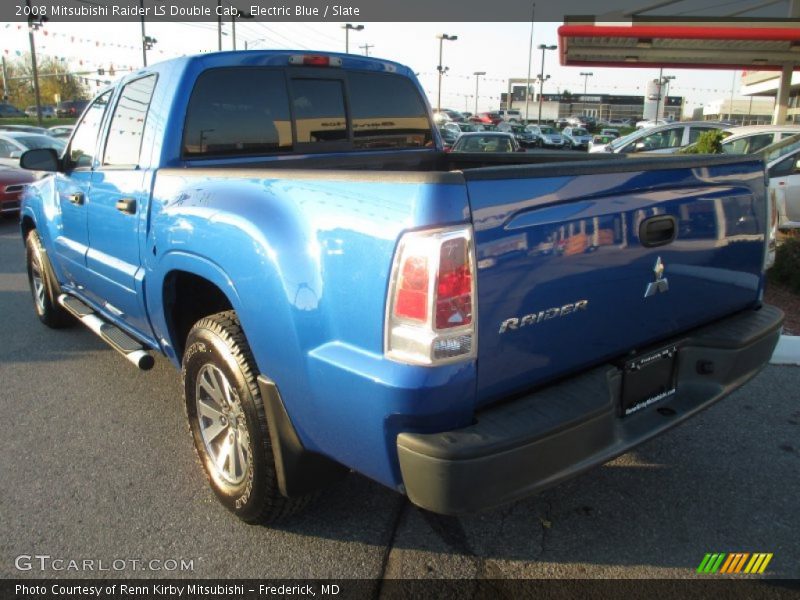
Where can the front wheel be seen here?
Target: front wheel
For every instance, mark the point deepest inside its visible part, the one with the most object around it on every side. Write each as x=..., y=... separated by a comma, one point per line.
x=43, y=287
x=228, y=423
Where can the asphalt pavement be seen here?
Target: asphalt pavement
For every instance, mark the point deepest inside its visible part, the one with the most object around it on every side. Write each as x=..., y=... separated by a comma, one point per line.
x=96, y=463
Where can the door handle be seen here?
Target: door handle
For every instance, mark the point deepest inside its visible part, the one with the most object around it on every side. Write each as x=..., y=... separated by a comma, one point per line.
x=657, y=231
x=76, y=198
x=127, y=206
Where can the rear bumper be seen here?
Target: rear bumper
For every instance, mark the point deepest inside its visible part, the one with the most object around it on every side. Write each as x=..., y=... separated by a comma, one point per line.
x=531, y=443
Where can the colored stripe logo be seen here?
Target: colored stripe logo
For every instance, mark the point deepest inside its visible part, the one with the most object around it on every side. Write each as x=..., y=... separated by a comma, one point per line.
x=735, y=562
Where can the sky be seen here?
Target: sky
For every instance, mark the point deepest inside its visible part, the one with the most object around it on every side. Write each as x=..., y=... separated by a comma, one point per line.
x=499, y=49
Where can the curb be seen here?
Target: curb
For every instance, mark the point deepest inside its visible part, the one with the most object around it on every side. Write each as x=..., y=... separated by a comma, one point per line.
x=787, y=352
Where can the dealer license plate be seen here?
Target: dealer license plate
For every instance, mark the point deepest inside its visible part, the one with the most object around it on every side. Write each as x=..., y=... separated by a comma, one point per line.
x=648, y=379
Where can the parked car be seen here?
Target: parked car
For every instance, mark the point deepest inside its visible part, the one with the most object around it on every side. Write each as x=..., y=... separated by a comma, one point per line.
x=562, y=122
x=440, y=117
x=491, y=117
x=648, y=123
x=663, y=139
x=12, y=184
x=466, y=329
x=61, y=131
x=511, y=115
x=783, y=168
x=577, y=138
x=48, y=111
x=14, y=143
x=9, y=111
x=486, y=142
x=449, y=135
x=459, y=128
x=25, y=128
x=610, y=132
x=70, y=108
x=619, y=122
x=576, y=121
x=546, y=136
x=523, y=136
x=752, y=138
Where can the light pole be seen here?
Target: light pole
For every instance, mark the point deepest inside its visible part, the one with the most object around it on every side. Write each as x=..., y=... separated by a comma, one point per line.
x=347, y=27
x=543, y=48
x=477, y=78
x=238, y=15
x=585, y=84
x=33, y=25
x=530, y=60
x=667, y=79
x=219, y=25
x=250, y=42
x=442, y=37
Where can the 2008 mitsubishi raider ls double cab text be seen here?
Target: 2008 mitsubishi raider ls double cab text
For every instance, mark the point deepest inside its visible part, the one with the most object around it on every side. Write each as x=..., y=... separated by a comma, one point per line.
x=339, y=293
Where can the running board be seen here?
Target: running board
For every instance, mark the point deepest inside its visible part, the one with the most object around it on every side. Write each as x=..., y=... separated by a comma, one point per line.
x=112, y=335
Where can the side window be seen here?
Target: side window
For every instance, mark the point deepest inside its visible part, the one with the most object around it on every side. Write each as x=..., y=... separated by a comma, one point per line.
x=668, y=138
x=5, y=149
x=238, y=111
x=696, y=132
x=319, y=110
x=127, y=125
x=84, y=140
x=787, y=166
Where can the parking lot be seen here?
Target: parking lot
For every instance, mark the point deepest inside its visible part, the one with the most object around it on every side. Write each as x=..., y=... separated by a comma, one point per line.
x=97, y=463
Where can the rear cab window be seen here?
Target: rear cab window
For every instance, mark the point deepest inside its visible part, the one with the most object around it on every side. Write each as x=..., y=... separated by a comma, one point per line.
x=246, y=111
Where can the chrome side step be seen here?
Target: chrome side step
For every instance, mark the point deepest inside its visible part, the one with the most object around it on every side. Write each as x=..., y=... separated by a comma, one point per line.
x=113, y=336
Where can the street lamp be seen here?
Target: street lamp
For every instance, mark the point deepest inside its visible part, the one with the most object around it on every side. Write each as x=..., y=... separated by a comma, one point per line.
x=585, y=83
x=347, y=27
x=477, y=78
x=238, y=15
x=667, y=79
x=543, y=48
x=442, y=37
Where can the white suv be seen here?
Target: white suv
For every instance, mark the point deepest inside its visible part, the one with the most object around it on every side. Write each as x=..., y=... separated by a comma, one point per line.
x=512, y=116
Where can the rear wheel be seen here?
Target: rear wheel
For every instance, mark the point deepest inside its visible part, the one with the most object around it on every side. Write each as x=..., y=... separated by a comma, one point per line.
x=43, y=287
x=228, y=423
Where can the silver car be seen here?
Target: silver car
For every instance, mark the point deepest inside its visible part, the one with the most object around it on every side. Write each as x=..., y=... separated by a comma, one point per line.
x=783, y=167
x=664, y=139
x=577, y=137
x=14, y=143
x=546, y=136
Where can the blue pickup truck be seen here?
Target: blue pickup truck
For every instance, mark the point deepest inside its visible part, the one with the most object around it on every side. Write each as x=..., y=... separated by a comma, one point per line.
x=341, y=294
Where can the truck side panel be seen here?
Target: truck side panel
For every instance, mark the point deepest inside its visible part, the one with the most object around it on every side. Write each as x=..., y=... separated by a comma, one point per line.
x=305, y=260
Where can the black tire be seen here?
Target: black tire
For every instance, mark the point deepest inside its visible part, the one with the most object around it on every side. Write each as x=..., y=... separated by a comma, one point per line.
x=249, y=486
x=40, y=273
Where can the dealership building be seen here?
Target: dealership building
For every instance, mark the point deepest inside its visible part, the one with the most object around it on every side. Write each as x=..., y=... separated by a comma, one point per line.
x=599, y=106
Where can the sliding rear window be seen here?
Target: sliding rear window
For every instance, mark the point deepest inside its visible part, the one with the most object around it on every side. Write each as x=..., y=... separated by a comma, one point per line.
x=387, y=112
x=238, y=112
x=253, y=111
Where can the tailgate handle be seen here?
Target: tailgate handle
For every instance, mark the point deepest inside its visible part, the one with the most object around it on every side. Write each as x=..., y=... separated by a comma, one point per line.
x=658, y=231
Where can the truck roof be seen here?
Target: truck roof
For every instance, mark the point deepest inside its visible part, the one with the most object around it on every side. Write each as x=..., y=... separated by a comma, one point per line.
x=251, y=58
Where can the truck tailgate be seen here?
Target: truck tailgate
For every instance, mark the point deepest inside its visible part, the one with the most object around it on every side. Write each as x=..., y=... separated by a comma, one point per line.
x=581, y=263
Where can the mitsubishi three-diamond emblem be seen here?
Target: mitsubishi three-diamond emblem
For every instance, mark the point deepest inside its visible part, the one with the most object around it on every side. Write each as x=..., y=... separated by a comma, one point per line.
x=660, y=284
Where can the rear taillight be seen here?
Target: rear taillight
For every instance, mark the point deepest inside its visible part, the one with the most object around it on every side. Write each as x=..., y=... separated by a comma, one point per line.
x=431, y=308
